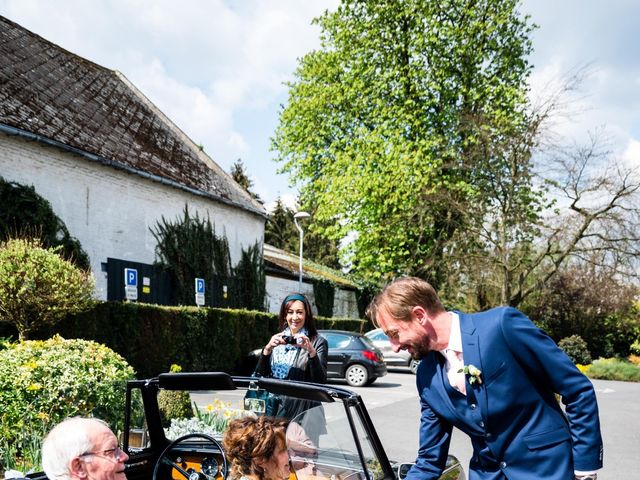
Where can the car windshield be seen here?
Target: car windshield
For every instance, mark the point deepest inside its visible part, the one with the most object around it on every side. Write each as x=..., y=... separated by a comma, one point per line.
x=327, y=439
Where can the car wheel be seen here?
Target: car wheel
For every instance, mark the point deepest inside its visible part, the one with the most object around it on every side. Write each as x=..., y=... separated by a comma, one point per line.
x=357, y=375
x=414, y=366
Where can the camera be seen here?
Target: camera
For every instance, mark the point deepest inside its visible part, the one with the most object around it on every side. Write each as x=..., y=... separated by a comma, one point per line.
x=289, y=339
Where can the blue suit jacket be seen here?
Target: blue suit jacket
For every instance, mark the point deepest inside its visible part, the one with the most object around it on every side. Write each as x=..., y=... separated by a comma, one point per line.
x=513, y=418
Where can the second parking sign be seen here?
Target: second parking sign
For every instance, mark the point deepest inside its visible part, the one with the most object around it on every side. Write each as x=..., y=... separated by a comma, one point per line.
x=199, y=291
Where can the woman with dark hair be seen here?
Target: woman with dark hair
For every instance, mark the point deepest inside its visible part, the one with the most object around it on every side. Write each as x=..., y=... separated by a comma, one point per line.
x=296, y=352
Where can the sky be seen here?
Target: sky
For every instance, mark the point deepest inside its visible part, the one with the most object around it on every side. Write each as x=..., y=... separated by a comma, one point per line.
x=218, y=68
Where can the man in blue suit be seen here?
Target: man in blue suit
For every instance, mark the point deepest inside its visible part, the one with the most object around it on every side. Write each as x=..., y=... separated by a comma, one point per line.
x=494, y=375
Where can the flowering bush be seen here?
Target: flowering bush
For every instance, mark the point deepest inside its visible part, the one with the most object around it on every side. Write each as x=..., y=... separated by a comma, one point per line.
x=212, y=420
x=43, y=382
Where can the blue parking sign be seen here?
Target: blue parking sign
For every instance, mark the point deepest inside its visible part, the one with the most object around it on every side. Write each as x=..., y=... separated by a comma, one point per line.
x=131, y=277
x=199, y=285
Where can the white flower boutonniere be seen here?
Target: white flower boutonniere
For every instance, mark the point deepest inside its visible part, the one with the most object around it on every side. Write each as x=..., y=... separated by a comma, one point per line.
x=474, y=373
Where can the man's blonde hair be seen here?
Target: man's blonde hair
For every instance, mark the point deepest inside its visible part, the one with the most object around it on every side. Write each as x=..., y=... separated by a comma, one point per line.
x=400, y=296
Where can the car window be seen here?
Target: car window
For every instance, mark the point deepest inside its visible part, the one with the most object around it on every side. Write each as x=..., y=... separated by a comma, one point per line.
x=367, y=341
x=379, y=335
x=138, y=436
x=337, y=340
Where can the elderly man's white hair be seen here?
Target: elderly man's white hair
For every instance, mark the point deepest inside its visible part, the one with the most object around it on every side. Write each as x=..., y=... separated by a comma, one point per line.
x=69, y=439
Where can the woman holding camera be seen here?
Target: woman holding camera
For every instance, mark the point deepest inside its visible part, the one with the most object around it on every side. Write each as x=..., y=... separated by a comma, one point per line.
x=296, y=352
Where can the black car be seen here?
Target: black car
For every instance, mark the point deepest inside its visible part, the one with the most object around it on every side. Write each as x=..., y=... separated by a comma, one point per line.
x=164, y=447
x=354, y=357
x=164, y=444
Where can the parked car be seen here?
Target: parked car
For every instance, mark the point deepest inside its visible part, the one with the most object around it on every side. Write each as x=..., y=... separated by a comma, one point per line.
x=391, y=358
x=353, y=357
x=163, y=445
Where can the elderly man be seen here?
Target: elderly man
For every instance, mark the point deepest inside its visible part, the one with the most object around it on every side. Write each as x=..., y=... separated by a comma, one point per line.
x=83, y=448
x=493, y=375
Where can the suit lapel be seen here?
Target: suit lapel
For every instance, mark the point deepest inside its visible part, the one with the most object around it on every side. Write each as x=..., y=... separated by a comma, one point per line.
x=471, y=355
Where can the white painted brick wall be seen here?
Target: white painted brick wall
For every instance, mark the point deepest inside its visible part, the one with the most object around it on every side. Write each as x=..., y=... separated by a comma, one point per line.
x=110, y=211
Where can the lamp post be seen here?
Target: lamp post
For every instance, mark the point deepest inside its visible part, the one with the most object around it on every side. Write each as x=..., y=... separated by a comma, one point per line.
x=296, y=216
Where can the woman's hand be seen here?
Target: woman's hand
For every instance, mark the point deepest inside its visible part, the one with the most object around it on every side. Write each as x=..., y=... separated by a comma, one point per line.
x=273, y=343
x=304, y=342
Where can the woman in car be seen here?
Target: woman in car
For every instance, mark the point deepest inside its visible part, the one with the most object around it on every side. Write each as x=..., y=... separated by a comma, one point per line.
x=296, y=352
x=256, y=449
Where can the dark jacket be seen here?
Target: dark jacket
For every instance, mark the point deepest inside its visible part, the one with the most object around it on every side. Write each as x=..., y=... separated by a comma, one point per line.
x=307, y=370
x=304, y=368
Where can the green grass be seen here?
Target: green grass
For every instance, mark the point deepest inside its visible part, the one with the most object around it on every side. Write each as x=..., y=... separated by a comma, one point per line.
x=614, y=369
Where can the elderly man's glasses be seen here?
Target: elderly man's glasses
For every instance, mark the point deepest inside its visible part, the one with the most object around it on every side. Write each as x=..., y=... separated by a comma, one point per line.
x=111, y=453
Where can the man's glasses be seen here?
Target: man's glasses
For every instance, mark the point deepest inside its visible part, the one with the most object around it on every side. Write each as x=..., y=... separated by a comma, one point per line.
x=111, y=453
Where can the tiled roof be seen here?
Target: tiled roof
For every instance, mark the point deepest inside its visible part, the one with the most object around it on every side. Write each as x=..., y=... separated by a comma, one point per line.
x=66, y=100
x=289, y=263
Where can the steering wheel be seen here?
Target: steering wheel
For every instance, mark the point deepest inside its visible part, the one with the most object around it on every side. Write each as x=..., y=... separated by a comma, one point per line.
x=165, y=458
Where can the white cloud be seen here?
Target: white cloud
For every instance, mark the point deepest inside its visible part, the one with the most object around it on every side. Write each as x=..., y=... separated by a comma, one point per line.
x=631, y=154
x=217, y=67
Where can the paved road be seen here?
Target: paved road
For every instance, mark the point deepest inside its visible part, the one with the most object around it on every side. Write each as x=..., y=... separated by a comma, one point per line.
x=393, y=405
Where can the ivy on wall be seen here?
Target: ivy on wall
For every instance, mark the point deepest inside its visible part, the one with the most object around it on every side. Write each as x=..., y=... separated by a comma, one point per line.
x=189, y=248
x=24, y=213
x=324, y=292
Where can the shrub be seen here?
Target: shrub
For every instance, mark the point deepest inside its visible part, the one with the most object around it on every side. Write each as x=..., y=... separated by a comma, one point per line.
x=635, y=347
x=614, y=369
x=576, y=348
x=174, y=403
x=43, y=382
x=38, y=287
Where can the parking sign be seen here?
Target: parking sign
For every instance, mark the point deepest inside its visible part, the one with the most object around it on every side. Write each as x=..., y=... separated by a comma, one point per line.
x=199, y=291
x=131, y=283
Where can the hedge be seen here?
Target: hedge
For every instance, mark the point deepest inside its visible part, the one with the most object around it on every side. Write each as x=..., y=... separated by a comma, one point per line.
x=152, y=338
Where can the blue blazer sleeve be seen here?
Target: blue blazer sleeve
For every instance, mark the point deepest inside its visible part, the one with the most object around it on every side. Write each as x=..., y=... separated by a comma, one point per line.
x=550, y=367
x=435, y=437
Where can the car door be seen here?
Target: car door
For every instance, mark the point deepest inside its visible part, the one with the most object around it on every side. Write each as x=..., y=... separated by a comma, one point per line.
x=338, y=356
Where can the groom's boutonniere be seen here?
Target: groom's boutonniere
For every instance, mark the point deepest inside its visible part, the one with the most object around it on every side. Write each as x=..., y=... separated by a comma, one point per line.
x=474, y=373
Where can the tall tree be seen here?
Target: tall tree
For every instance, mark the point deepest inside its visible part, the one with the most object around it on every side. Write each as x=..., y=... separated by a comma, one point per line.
x=580, y=205
x=384, y=123
x=240, y=175
x=281, y=232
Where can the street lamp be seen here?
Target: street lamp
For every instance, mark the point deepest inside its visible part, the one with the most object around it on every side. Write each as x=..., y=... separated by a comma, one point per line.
x=296, y=216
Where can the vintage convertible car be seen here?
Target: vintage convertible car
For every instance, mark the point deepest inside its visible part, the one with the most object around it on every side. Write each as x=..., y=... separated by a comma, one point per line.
x=341, y=441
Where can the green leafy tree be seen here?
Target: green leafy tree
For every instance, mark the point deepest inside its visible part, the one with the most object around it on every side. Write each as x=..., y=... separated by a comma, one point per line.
x=25, y=213
x=38, y=287
x=395, y=125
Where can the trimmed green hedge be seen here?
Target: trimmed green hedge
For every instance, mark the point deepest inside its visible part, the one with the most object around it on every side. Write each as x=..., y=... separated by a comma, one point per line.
x=152, y=338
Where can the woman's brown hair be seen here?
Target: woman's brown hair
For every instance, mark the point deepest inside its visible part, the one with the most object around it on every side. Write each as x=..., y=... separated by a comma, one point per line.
x=250, y=441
